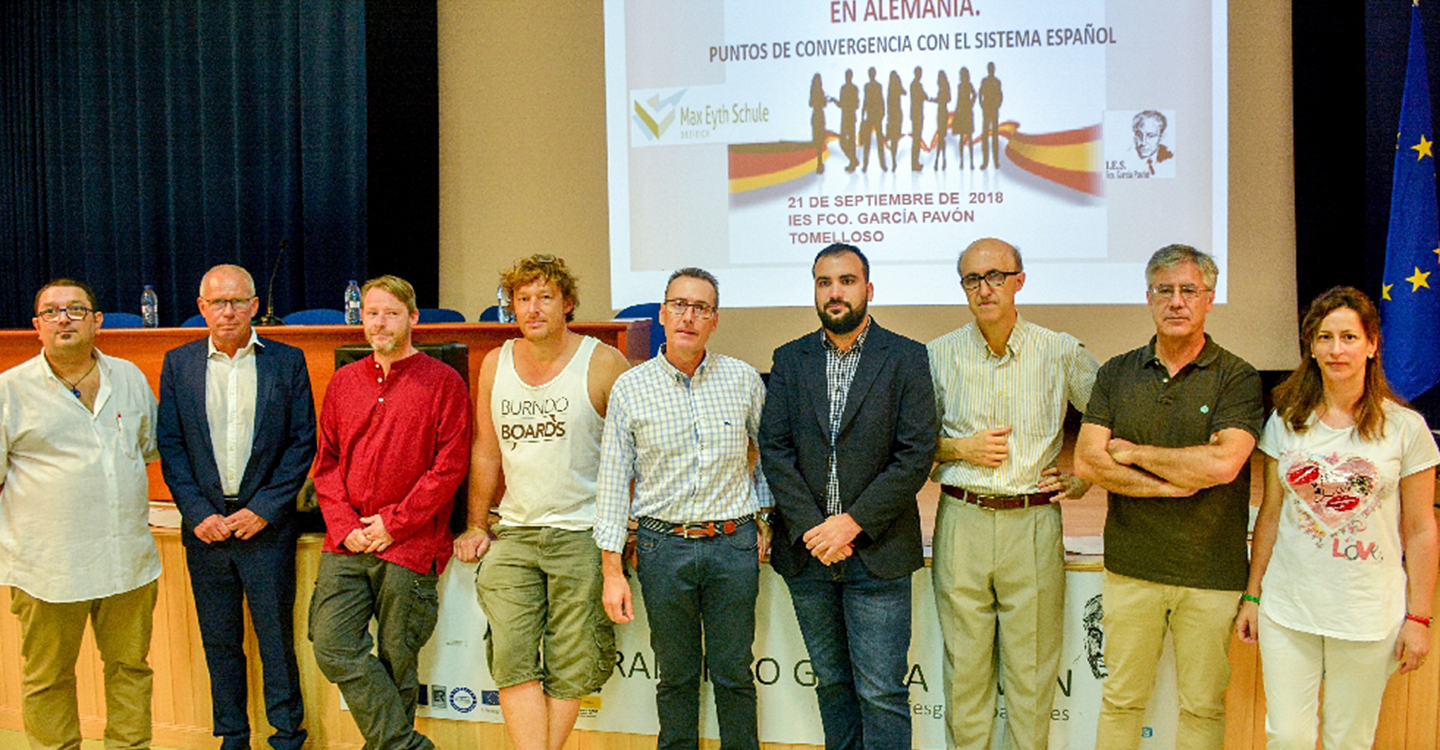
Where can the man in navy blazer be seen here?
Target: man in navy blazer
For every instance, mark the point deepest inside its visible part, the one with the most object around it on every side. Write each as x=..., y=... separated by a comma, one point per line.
x=236, y=429
x=846, y=440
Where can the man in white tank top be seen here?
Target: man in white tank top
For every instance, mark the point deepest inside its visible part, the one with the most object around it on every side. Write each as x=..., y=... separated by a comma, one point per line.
x=539, y=415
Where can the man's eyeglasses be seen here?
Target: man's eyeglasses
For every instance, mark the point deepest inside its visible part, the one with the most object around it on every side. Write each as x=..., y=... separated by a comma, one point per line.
x=1189, y=292
x=222, y=304
x=996, y=279
x=73, y=312
x=702, y=310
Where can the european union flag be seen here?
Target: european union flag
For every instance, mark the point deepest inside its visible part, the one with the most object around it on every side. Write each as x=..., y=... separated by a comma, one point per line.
x=1410, y=304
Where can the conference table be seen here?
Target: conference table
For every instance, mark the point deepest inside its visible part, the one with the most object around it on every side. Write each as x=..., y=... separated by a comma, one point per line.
x=181, y=703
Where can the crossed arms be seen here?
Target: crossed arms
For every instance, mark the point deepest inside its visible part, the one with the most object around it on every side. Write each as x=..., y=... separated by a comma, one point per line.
x=1128, y=468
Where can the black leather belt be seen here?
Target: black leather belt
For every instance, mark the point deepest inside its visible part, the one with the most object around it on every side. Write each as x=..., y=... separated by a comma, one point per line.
x=999, y=502
x=232, y=504
x=694, y=529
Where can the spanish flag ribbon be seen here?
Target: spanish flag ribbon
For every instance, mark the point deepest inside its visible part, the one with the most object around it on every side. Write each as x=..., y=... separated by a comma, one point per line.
x=1073, y=158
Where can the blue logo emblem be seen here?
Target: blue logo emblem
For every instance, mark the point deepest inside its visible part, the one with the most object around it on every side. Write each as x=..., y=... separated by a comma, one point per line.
x=462, y=699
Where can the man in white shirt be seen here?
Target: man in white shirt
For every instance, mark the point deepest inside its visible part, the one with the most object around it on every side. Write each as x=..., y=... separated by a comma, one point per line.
x=76, y=430
x=237, y=435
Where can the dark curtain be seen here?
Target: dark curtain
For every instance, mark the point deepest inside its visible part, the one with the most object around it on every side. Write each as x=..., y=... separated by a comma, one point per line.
x=142, y=142
x=1349, y=76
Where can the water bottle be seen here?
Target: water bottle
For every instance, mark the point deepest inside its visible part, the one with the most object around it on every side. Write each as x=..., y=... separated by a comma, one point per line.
x=150, y=307
x=502, y=301
x=352, y=304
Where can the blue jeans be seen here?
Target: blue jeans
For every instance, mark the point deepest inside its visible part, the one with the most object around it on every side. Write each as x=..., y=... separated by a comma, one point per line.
x=694, y=589
x=857, y=630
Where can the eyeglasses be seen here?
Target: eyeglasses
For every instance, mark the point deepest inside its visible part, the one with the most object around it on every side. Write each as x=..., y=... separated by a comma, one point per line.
x=222, y=304
x=73, y=312
x=702, y=310
x=1189, y=292
x=971, y=281
x=543, y=258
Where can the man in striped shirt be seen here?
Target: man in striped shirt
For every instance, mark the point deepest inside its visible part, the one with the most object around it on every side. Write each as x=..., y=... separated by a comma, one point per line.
x=1001, y=387
x=683, y=426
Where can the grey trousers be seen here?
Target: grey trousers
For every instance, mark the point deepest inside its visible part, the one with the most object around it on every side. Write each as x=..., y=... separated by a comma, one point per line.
x=379, y=687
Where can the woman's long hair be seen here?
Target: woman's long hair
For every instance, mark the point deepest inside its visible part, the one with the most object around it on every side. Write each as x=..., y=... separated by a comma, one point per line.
x=1302, y=392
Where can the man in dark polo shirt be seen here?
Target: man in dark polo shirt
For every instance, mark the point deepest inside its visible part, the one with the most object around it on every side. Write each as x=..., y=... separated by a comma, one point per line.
x=1168, y=432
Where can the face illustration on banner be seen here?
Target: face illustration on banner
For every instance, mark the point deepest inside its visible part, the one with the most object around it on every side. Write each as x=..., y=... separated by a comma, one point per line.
x=1149, y=127
x=1140, y=145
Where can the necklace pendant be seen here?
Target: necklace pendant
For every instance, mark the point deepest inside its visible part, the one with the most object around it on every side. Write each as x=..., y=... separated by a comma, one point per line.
x=75, y=391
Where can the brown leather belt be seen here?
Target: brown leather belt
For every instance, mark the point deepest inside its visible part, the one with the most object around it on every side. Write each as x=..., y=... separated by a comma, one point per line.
x=695, y=529
x=999, y=502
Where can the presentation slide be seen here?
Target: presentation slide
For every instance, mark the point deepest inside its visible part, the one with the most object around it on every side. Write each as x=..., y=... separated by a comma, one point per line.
x=746, y=135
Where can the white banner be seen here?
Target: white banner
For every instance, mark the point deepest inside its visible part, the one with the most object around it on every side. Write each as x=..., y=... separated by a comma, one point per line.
x=456, y=683
x=736, y=129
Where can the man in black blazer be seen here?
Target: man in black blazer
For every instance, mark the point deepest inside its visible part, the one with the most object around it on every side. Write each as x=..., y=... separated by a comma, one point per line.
x=236, y=429
x=846, y=440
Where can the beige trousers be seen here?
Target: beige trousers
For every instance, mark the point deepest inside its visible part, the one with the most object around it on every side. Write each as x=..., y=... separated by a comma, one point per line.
x=50, y=636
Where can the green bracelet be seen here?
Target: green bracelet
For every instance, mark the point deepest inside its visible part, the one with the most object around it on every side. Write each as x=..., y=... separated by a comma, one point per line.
x=1249, y=598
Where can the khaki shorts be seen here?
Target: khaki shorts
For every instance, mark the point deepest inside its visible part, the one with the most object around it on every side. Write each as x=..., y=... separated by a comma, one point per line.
x=541, y=590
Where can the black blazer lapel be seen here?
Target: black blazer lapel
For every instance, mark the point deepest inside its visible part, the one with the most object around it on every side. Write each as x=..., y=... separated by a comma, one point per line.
x=872, y=359
x=817, y=382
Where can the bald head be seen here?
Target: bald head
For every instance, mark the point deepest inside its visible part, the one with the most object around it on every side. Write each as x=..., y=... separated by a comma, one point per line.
x=228, y=272
x=991, y=243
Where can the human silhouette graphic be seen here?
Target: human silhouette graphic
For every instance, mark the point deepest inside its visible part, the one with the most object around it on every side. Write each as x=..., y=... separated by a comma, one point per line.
x=892, y=116
x=873, y=123
x=990, y=98
x=964, y=119
x=918, y=98
x=818, y=100
x=942, y=119
x=849, y=106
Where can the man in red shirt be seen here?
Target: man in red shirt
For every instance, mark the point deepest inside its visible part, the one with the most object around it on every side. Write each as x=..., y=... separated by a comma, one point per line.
x=394, y=447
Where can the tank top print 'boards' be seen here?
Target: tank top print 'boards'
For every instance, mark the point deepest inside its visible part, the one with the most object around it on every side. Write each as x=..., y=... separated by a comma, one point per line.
x=549, y=443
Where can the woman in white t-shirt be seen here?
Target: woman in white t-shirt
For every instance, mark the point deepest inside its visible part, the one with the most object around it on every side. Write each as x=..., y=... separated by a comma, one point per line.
x=1343, y=563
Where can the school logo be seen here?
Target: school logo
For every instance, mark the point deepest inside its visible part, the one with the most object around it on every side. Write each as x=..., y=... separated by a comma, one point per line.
x=655, y=115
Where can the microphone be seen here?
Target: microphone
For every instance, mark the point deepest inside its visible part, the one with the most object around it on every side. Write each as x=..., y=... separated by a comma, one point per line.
x=269, y=318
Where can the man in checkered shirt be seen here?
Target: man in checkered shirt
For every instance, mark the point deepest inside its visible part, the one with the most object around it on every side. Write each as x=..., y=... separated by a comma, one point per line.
x=683, y=427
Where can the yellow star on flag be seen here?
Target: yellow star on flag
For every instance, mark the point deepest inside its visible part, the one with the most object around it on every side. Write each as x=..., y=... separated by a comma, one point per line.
x=1419, y=279
x=1385, y=291
x=1423, y=148
x=1437, y=254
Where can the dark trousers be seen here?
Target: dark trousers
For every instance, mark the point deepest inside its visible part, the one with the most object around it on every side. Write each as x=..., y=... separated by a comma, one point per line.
x=857, y=631
x=223, y=575
x=700, y=599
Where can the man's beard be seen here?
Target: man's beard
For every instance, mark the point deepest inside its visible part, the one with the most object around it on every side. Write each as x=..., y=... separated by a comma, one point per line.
x=846, y=323
x=395, y=345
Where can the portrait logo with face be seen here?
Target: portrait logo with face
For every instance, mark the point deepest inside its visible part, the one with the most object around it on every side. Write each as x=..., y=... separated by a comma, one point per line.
x=1140, y=145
